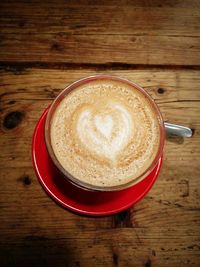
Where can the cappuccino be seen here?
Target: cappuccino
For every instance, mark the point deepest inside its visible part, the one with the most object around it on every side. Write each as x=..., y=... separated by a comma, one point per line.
x=105, y=133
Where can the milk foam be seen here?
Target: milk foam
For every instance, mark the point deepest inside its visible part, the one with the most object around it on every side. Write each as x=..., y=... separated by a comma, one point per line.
x=104, y=125
x=105, y=133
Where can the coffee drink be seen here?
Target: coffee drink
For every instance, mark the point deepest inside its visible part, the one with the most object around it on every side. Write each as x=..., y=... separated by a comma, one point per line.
x=105, y=132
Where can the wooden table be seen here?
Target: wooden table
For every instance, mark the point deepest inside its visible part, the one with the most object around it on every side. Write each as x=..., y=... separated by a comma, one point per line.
x=44, y=46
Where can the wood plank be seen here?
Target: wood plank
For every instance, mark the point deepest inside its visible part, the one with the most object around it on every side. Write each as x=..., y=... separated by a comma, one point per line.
x=32, y=91
x=101, y=34
x=161, y=230
x=135, y=3
x=129, y=247
x=175, y=194
x=100, y=49
x=82, y=20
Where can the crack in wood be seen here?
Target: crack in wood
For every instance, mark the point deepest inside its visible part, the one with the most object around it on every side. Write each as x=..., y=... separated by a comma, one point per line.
x=20, y=67
x=178, y=101
x=122, y=220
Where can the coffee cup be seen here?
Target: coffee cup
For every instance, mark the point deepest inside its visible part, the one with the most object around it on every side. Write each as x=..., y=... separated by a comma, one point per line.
x=104, y=133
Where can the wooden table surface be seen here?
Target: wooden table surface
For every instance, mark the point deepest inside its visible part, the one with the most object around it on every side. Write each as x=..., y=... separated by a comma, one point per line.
x=46, y=45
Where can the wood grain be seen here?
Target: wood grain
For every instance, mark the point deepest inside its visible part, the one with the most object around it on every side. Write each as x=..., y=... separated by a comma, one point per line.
x=45, y=46
x=161, y=230
x=131, y=33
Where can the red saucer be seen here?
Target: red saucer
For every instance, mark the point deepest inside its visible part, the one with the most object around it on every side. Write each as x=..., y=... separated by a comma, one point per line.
x=77, y=199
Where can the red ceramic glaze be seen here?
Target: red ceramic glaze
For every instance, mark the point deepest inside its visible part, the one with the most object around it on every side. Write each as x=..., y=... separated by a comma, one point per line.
x=78, y=200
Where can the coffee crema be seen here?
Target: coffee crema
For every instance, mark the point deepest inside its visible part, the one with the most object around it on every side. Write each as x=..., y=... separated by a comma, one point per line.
x=105, y=133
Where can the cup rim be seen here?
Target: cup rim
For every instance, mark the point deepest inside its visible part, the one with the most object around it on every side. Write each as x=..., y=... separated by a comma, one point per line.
x=66, y=173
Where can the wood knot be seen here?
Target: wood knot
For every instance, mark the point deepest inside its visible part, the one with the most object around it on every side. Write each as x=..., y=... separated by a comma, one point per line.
x=133, y=39
x=78, y=26
x=26, y=180
x=115, y=259
x=122, y=220
x=161, y=90
x=77, y=264
x=13, y=119
x=148, y=263
x=57, y=47
x=22, y=23
x=153, y=253
x=11, y=102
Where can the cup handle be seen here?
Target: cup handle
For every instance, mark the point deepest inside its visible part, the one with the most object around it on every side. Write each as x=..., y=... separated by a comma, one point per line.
x=178, y=130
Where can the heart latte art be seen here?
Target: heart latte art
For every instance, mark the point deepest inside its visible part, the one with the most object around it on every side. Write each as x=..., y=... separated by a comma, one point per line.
x=105, y=133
